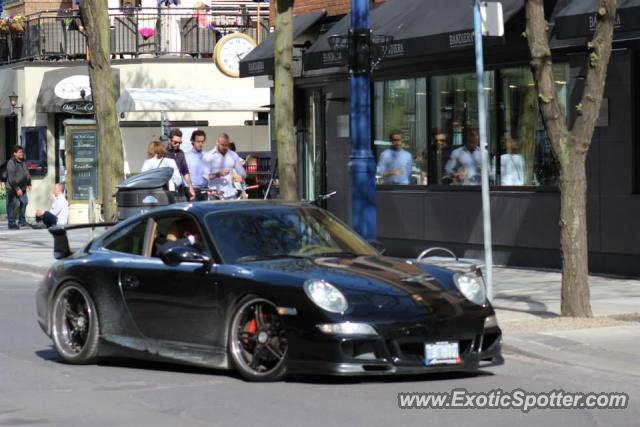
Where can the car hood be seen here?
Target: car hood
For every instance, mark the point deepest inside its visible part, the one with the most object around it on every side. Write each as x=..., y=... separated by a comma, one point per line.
x=367, y=274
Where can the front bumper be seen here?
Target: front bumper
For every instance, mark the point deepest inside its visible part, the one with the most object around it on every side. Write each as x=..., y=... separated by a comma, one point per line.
x=376, y=356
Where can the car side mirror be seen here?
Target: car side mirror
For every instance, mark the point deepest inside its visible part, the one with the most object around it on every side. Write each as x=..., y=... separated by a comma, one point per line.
x=378, y=246
x=178, y=254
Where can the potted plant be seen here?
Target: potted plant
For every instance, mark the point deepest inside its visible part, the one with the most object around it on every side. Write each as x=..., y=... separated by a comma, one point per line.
x=4, y=26
x=16, y=24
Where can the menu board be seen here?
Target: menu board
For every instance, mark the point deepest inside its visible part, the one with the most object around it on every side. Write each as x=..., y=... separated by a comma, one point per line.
x=82, y=142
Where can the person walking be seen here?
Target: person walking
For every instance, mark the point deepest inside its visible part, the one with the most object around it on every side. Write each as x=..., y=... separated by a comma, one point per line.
x=157, y=158
x=221, y=167
x=174, y=152
x=18, y=183
x=196, y=164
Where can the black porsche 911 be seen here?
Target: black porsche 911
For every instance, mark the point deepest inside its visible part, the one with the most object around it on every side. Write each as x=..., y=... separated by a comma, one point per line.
x=268, y=288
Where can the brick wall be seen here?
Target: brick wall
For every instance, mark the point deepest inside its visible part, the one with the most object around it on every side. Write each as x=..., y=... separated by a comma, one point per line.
x=28, y=7
x=333, y=7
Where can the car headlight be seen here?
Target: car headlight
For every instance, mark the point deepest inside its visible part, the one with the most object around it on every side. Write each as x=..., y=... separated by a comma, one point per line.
x=325, y=296
x=472, y=287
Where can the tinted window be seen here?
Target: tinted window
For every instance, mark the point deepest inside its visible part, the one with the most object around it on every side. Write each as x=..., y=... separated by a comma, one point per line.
x=129, y=239
x=281, y=230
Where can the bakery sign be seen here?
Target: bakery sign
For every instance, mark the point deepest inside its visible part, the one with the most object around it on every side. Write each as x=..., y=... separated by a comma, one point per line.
x=78, y=107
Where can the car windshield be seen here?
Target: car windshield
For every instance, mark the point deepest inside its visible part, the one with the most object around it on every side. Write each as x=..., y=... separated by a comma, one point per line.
x=267, y=232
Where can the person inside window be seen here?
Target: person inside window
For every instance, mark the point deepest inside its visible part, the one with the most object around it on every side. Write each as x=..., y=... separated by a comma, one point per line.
x=395, y=163
x=511, y=165
x=464, y=164
x=181, y=232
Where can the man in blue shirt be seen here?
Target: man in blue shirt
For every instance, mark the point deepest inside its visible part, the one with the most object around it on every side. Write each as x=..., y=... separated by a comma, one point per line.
x=395, y=163
x=195, y=161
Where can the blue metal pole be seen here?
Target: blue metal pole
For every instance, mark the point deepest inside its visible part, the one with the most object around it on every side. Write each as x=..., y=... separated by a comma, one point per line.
x=362, y=165
x=482, y=125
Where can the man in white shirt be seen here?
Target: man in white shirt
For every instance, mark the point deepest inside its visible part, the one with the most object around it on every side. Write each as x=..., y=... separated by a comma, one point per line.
x=464, y=163
x=59, y=212
x=220, y=166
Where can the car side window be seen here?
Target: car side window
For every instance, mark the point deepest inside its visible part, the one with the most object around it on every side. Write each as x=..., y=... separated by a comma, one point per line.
x=129, y=240
x=175, y=230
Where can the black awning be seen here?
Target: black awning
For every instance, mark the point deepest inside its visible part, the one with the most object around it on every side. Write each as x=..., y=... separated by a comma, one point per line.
x=578, y=18
x=418, y=28
x=259, y=61
x=61, y=90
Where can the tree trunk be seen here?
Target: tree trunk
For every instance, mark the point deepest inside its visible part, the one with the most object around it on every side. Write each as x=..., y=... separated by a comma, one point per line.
x=573, y=238
x=571, y=146
x=111, y=163
x=285, y=137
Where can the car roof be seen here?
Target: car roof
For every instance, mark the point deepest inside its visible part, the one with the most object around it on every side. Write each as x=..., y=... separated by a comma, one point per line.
x=203, y=208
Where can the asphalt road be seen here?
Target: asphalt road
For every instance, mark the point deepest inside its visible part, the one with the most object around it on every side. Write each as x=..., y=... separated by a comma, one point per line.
x=36, y=389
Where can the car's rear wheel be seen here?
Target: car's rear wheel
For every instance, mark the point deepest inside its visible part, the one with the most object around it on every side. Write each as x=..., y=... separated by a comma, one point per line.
x=75, y=325
x=257, y=343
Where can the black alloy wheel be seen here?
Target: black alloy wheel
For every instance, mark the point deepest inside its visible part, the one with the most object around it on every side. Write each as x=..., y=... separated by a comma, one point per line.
x=75, y=325
x=257, y=345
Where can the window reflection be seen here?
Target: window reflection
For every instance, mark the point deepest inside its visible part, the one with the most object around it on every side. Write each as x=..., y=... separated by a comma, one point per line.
x=454, y=117
x=401, y=113
x=526, y=157
x=443, y=147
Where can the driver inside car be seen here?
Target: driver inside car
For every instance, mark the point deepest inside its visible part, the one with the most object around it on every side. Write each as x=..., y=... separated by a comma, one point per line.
x=180, y=232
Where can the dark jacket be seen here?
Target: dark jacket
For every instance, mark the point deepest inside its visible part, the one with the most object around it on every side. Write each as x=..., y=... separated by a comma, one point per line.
x=181, y=160
x=18, y=175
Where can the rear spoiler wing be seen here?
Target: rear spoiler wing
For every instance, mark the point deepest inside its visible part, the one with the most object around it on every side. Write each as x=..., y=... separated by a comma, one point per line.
x=61, y=247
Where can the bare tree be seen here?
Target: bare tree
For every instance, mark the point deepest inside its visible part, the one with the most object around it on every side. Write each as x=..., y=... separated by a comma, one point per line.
x=285, y=137
x=571, y=145
x=111, y=162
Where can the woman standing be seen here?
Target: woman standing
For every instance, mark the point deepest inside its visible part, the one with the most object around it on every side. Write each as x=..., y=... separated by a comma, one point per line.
x=156, y=158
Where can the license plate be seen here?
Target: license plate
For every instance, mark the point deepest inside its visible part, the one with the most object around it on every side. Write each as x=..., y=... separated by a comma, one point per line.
x=441, y=353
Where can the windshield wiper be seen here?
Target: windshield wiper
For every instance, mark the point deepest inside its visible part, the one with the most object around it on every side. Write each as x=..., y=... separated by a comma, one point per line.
x=250, y=258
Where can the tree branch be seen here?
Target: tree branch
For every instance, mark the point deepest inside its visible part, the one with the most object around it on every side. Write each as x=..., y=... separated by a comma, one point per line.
x=542, y=69
x=600, y=52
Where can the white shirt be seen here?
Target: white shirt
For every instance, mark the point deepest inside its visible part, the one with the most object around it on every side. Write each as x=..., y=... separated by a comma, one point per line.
x=511, y=169
x=60, y=208
x=215, y=162
x=164, y=162
x=462, y=159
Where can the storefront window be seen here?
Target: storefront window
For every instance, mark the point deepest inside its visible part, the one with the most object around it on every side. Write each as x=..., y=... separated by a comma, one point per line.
x=526, y=157
x=444, y=147
x=401, y=131
x=455, y=155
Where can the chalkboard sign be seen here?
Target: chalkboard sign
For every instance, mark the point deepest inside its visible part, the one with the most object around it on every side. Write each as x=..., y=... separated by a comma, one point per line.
x=83, y=145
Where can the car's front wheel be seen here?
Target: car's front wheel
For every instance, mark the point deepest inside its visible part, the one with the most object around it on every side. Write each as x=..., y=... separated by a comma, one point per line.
x=257, y=343
x=75, y=325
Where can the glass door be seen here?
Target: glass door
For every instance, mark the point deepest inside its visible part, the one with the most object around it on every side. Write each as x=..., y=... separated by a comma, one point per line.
x=313, y=150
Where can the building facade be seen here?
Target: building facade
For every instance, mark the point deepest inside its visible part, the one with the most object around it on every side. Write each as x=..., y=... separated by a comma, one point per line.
x=165, y=69
x=424, y=89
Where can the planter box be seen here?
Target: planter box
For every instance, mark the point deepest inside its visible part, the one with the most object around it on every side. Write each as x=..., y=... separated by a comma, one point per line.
x=3, y=206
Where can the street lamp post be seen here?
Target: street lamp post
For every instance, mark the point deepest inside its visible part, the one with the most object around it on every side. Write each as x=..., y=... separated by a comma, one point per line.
x=362, y=164
x=482, y=125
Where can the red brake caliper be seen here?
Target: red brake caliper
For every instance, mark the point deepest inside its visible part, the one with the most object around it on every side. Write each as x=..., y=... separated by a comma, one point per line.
x=251, y=326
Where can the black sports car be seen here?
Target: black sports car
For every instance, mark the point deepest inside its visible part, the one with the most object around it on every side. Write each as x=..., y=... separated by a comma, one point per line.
x=268, y=288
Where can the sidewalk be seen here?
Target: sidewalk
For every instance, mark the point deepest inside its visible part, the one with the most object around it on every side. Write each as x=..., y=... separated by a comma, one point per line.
x=527, y=304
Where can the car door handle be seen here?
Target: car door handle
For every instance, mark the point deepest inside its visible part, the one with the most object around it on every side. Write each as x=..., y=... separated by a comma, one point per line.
x=130, y=281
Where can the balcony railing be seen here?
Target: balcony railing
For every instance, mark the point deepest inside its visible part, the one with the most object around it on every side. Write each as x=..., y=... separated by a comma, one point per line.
x=134, y=33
